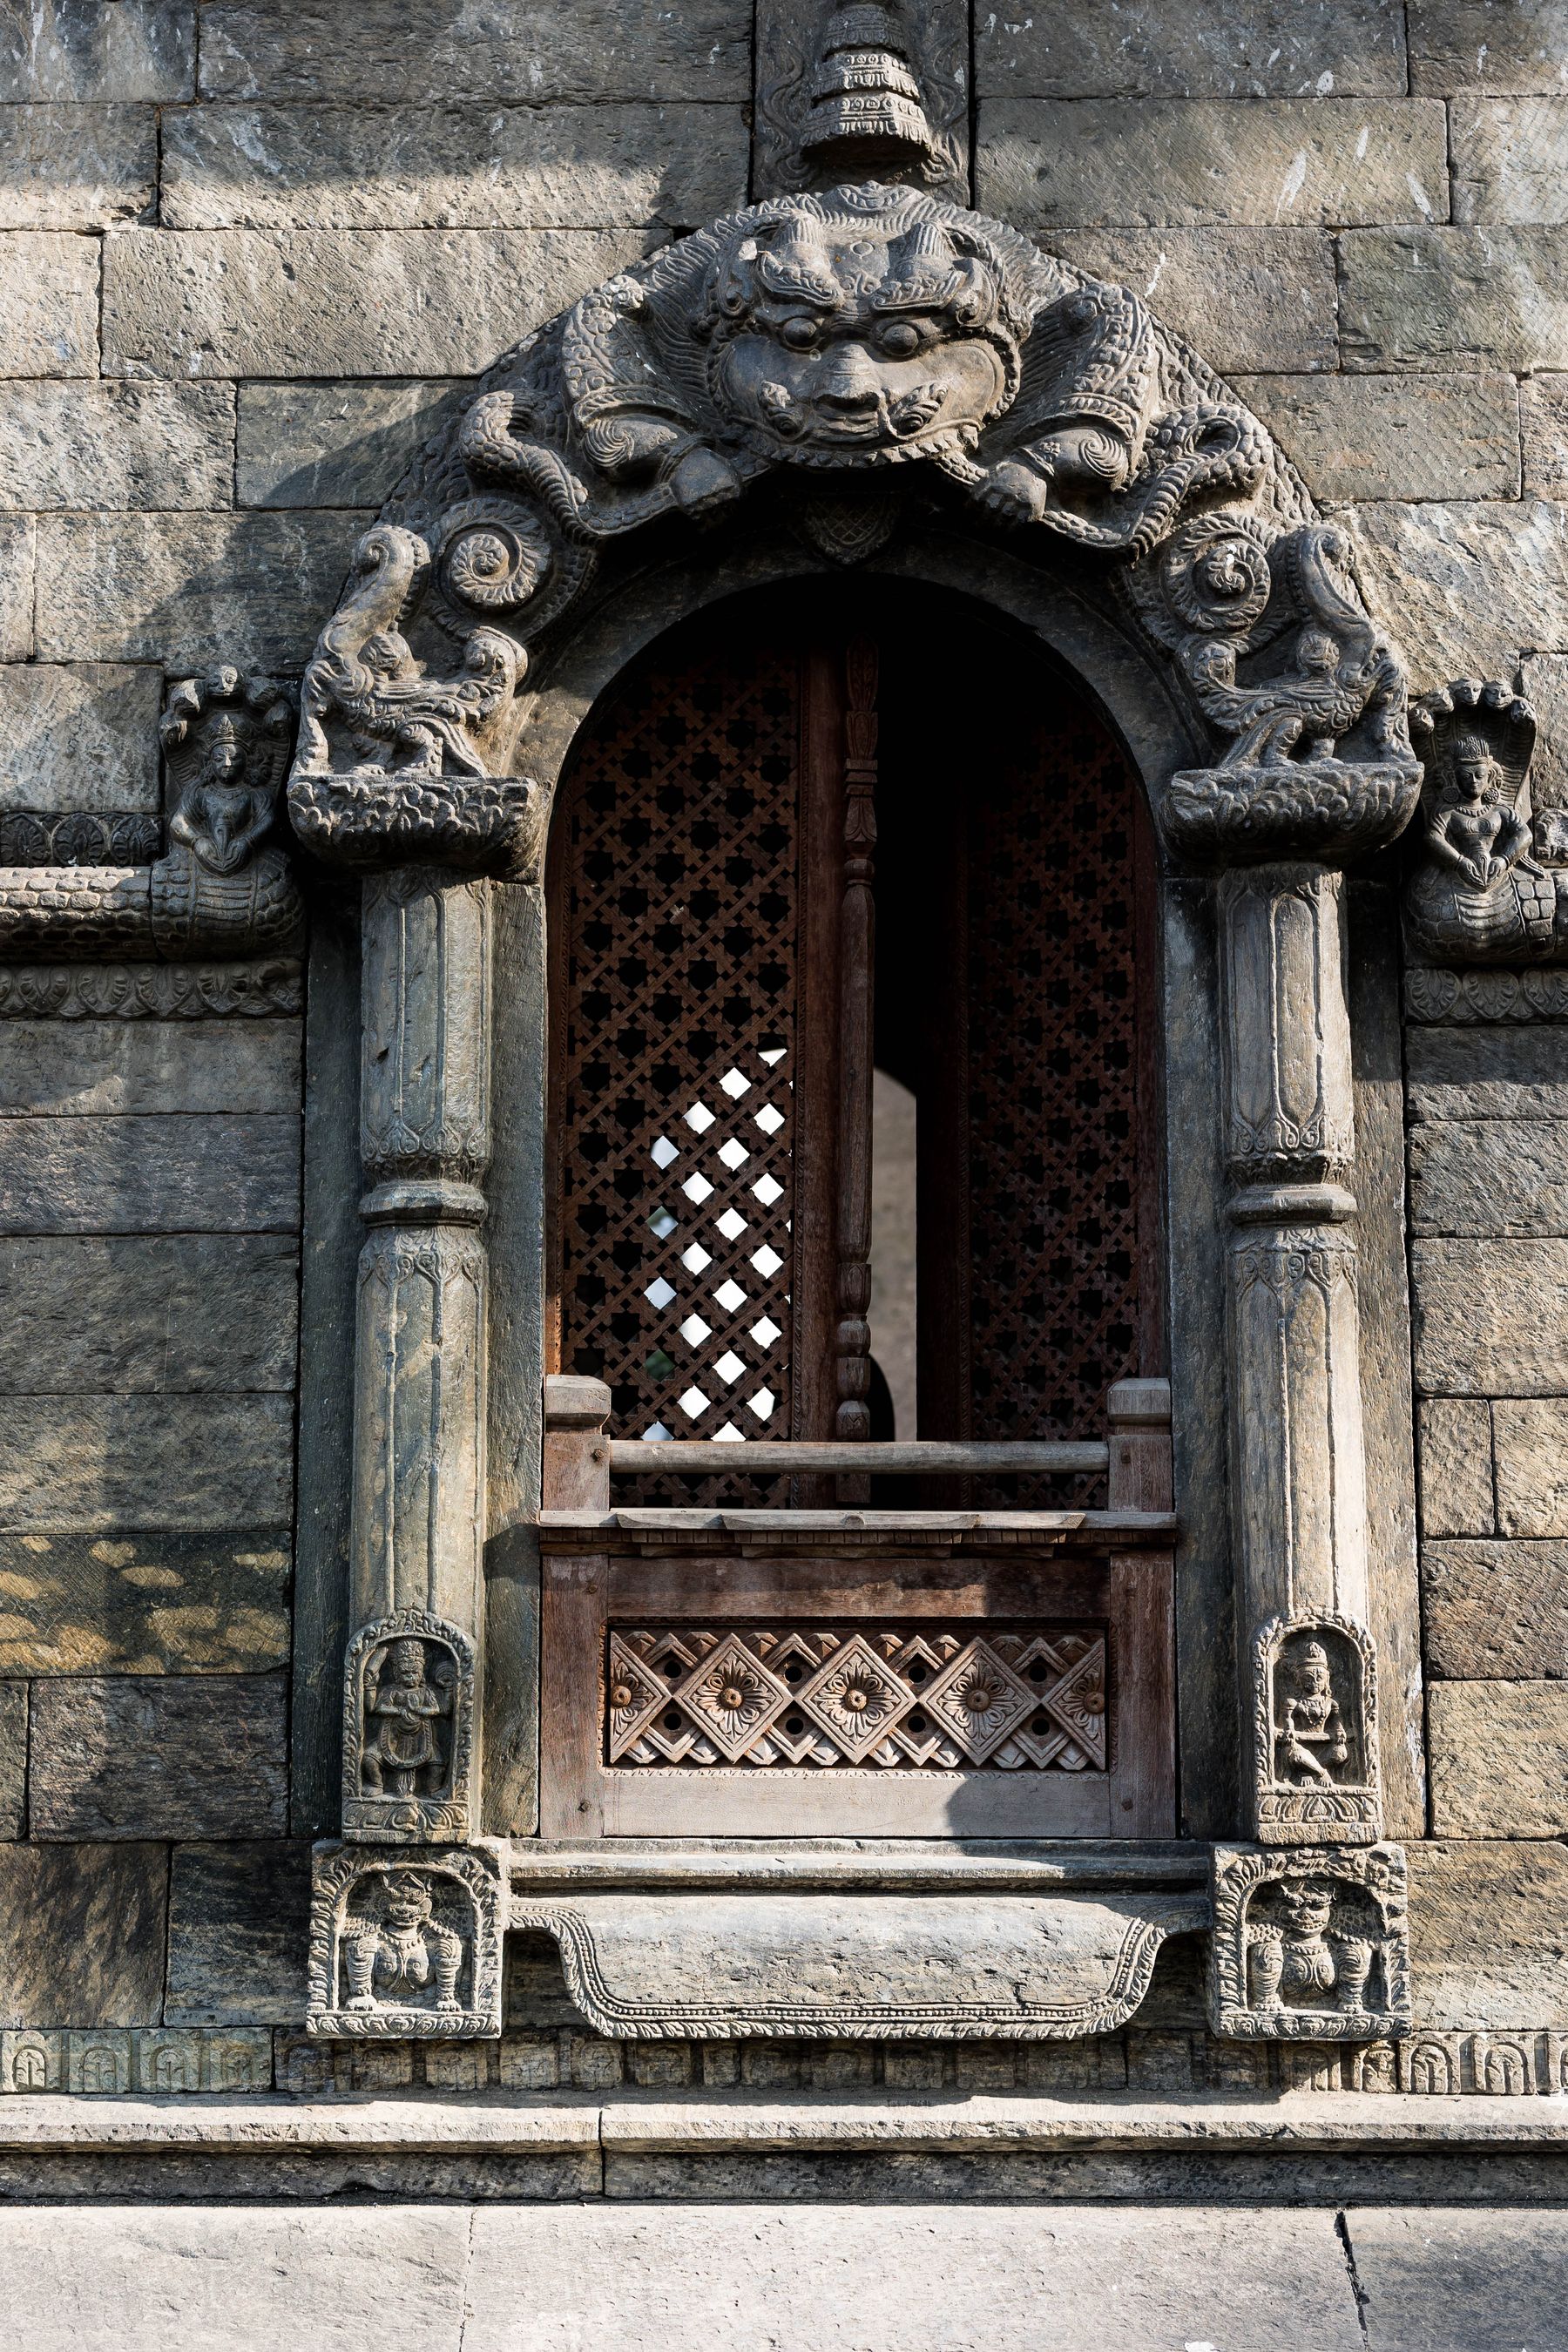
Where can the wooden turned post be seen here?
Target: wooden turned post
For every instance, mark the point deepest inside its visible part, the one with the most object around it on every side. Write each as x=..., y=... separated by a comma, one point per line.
x=577, y=1448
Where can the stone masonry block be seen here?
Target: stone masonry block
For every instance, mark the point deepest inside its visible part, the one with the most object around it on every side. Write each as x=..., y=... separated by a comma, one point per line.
x=1485, y=1073
x=238, y=1929
x=81, y=50
x=153, y=1602
x=1543, y=417
x=173, y=1756
x=1499, y=1758
x=148, y=1314
x=1191, y=49
x=1490, y=1317
x=151, y=1174
x=1454, y=1468
x=117, y=445
x=1250, y=298
x=1464, y=587
x=1123, y=163
x=1430, y=437
x=334, y=445
x=439, y=166
x=80, y=735
x=99, y=1465
x=75, y=167
x=327, y=302
x=1531, y=1435
x=18, y=556
x=188, y=590
x=1510, y=159
x=1464, y=45
x=511, y=50
x=1489, y=1933
x=82, y=1930
x=78, y=1069
x=1435, y=297
x=12, y=1759
x=1546, y=680
x=1487, y=1177
x=49, y=298
x=1495, y=1611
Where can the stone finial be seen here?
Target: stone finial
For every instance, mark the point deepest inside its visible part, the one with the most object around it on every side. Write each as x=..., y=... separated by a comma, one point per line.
x=866, y=113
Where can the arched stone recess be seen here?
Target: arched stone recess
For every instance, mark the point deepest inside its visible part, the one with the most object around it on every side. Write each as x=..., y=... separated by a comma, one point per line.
x=871, y=377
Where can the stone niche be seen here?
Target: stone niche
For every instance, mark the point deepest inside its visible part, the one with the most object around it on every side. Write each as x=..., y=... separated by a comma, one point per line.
x=1315, y=1732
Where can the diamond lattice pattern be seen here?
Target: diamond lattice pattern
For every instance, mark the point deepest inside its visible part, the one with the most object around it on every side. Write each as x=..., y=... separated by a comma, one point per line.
x=677, y=1178
x=899, y=1698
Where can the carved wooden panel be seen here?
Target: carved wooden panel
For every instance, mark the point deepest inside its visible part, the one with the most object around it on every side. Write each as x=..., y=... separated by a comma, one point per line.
x=894, y=1697
x=677, y=1014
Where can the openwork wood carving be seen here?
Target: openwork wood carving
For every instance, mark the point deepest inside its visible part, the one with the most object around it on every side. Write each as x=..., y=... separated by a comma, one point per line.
x=406, y=1946
x=896, y=1698
x=1310, y=1946
x=408, y=1731
x=1315, y=1733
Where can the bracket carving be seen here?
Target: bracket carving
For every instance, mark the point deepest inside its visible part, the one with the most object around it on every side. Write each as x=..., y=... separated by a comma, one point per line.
x=1310, y=1944
x=216, y=891
x=409, y=1699
x=1314, y=1721
x=407, y=1946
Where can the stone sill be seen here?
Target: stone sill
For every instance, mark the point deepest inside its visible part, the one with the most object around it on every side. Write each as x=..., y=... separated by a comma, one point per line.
x=489, y=2125
x=870, y=1864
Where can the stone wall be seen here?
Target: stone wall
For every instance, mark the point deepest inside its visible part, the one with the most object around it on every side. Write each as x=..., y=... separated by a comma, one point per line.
x=247, y=252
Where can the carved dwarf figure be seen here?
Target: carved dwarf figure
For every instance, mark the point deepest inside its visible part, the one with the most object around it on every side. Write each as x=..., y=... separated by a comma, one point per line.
x=1298, y=1963
x=1311, y=1735
x=404, y=1754
x=390, y=1962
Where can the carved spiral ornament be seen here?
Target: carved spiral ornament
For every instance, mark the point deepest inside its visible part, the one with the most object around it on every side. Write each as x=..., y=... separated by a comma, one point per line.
x=1217, y=575
x=492, y=558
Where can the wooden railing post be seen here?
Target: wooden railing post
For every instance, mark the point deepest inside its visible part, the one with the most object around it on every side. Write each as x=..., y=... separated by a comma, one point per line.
x=577, y=1450
x=1139, y=1413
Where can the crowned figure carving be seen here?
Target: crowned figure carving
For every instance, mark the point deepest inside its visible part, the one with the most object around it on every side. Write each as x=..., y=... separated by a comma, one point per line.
x=1490, y=881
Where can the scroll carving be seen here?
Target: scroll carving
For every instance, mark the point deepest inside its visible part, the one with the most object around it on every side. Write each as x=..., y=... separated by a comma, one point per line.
x=407, y=1946
x=220, y=888
x=408, y=1731
x=1490, y=881
x=1314, y=1715
x=1310, y=1946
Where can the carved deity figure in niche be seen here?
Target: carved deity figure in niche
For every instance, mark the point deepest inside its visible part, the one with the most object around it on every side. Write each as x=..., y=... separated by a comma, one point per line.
x=1315, y=1699
x=1490, y=885
x=1294, y=1961
x=1311, y=1740
x=226, y=807
x=408, y=1713
x=1310, y=1946
x=397, y=1953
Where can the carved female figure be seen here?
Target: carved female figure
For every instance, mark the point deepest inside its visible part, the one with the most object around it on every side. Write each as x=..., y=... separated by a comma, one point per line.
x=1480, y=893
x=404, y=1707
x=1313, y=1732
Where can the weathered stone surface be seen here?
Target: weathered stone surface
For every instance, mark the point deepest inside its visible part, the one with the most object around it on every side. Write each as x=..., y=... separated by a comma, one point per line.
x=12, y=1759
x=1499, y=1758
x=82, y=1930
x=1420, y=297
x=1490, y=1317
x=75, y=168
x=77, y=1068
x=1495, y=1611
x=169, y=1756
x=147, y=1603
x=1546, y=680
x=1454, y=1468
x=1166, y=49
x=1459, y=45
x=1464, y=587
x=443, y=167
x=18, y=548
x=1497, y=1073
x=1488, y=1934
x=1484, y=2277
x=1543, y=419
x=77, y=735
x=79, y=49
x=190, y=590
x=1486, y=1178
x=95, y=1465
x=48, y=295
x=224, y=303
x=1436, y=436
x=112, y=445
x=1531, y=1438
x=512, y=50
x=822, y=2271
x=141, y=1314
x=150, y=1175
x=1510, y=159
x=1120, y=163
x=238, y=1916
x=334, y=445
x=1250, y=299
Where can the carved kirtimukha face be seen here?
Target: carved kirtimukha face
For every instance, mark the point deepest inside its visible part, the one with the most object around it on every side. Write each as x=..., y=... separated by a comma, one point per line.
x=1307, y=1905
x=853, y=336
x=407, y=1904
